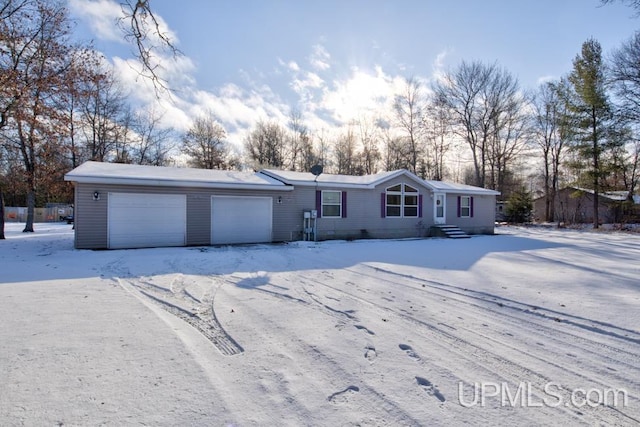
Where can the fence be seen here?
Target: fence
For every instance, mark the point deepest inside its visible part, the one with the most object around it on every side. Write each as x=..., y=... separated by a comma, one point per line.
x=50, y=214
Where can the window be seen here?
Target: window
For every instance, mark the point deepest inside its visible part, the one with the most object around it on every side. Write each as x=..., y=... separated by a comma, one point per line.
x=331, y=204
x=465, y=206
x=402, y=200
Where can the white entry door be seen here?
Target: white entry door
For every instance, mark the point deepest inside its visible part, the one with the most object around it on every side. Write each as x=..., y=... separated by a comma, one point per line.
x=439, y=209
x=241, y=219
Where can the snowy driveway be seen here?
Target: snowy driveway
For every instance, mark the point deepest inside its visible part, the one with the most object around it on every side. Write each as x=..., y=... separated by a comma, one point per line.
x=526, y=327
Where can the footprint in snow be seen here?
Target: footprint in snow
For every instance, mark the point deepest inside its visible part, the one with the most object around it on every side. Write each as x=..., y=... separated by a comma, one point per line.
x=407, y=349
x=370, y=353
x=364, y=328
x=430, y=388
x=343, y=396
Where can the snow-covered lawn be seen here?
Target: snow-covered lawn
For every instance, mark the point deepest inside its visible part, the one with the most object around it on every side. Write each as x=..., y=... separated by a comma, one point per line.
x=528, y=327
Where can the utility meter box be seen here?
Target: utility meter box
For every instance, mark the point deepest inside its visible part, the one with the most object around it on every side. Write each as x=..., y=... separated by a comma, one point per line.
x=314, y=213
x=307, y=214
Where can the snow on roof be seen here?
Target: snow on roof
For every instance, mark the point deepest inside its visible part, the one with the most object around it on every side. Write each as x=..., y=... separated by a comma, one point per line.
x=618, y=196
x=327, y=179
x=369, y=181
x=453, y=187
x=267, y=179
x=117, y=173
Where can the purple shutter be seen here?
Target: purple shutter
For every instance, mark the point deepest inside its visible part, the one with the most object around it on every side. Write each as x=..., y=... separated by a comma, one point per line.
x=383, y=205
x=459, y=207
x=420, y=206
x=319, y=203
x=471, y=206
x=344, y=204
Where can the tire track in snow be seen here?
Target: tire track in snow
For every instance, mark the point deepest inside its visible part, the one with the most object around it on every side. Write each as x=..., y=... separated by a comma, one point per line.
x=202, y=317
x=631, y=357
x=489, y=359
x=353, y=390
x=626, y=376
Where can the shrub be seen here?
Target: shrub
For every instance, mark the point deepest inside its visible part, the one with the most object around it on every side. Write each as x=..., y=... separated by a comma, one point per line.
x=519, y=206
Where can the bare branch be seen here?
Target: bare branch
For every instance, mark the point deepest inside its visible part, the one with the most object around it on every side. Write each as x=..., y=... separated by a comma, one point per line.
x=633, y=4
x=142, y=28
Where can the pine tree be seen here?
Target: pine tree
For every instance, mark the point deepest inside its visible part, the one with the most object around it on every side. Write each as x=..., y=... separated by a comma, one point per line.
x=519, y=206
x=590, y=114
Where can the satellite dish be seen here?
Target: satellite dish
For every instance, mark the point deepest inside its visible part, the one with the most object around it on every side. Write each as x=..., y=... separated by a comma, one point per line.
x=316, y=170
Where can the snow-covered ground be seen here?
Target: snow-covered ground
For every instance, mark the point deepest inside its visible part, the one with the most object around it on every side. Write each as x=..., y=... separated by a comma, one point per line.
x=527, y=327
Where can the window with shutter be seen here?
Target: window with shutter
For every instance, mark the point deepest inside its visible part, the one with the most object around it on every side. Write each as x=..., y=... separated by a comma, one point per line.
x=332, y=204
x=465, y=206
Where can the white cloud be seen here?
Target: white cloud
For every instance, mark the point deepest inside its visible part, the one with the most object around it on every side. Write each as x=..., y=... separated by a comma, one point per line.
x=439, y=66
x=326, y=104
x=320, y=58
x=305, y=83
x=101, y=16
x=545, y=79
x=362, y=93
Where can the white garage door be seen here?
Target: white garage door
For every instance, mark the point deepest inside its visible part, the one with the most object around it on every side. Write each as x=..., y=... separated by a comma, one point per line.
x=147, y=220
x=241, y=219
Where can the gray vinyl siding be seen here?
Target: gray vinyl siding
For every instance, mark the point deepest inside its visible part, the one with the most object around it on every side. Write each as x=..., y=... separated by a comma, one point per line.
x=91, y=216
x=198, y=218
x=484, y=213
x=364, y=219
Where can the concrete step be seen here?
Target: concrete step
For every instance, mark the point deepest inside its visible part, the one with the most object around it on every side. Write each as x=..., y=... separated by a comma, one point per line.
x=448, y=231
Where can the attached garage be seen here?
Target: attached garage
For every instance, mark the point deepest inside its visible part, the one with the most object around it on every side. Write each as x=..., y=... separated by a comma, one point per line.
x=241, y=219
x=138, y=206
x=137, y=220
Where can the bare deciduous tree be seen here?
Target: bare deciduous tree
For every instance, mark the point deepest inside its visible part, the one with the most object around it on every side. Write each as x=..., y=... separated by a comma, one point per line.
x=39, y=55
x=624, y=76
x=550, y=137
x=437, y=125
x=482, y=99
x=344, y=153
x=369, y=154
x=511, y=132
x=265, y=145
x=396, y=149
x=408, y=109
x=299, y=152
x=205, y=143
x=150, y=144
x=103, y=111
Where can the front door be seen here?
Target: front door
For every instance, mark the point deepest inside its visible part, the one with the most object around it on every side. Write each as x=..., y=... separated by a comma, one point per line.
x=439, y=213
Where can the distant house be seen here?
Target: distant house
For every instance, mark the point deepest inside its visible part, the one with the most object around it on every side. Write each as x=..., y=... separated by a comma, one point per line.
x=575, y=205
x=131, y=206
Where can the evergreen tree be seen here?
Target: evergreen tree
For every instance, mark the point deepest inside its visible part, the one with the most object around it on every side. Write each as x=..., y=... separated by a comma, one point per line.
x=591, y=115
x=519, y=206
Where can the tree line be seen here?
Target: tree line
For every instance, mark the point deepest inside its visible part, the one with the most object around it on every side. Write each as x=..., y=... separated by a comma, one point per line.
x=61, y=104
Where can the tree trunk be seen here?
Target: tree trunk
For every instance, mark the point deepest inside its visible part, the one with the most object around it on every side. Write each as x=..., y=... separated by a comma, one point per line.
x=31, y=205
x=547, y=192
x=596, y=171
x=1, y=215
x=554, y=186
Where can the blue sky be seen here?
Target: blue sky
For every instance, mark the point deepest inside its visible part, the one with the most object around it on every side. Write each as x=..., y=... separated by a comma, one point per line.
x=334, y=61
